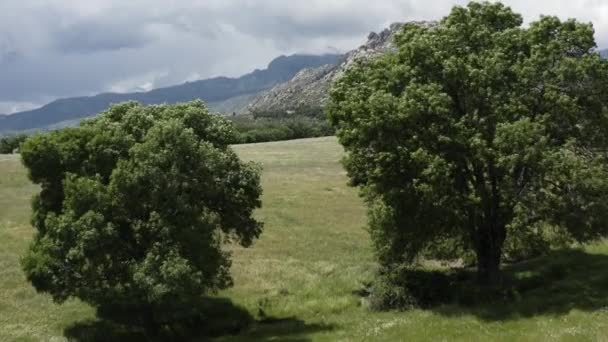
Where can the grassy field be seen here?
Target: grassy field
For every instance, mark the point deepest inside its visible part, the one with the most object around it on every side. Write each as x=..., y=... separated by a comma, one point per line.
x=299, y=281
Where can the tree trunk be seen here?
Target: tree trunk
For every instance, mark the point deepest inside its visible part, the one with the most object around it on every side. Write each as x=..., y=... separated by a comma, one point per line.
x=491, y=232
x=489, y=250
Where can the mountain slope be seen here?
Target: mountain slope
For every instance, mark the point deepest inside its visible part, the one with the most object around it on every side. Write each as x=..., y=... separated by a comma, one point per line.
x=310, y=86
x=227, y=94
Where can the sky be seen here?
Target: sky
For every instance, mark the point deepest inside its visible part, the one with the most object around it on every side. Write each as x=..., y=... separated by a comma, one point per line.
x=51, y=49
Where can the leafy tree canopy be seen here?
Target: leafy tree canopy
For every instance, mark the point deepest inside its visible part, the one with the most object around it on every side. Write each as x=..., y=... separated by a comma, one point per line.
x=10, y=144
x=134, y=206
x=478, y=128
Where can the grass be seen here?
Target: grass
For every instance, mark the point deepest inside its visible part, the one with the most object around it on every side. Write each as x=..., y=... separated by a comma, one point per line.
x=299, y=281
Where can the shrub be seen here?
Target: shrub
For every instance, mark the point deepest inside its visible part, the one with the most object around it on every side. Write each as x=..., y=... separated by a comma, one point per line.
x=403, y=287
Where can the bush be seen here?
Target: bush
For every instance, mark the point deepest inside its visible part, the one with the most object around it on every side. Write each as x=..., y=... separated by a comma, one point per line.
x=402, y=287
x=407, y=287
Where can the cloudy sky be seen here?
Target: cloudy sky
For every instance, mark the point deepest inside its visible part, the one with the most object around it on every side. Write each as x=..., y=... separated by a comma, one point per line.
x=60, y=48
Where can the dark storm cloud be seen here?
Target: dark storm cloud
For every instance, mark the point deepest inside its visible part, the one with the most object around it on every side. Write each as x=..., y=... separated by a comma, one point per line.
x=59, y=48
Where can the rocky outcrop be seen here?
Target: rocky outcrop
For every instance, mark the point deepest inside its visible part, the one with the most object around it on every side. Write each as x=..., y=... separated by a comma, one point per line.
x=310, y=87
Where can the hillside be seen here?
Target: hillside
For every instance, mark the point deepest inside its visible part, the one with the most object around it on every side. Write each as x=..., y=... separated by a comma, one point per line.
x=302, y=280
x=310, y=86
x=221, y=93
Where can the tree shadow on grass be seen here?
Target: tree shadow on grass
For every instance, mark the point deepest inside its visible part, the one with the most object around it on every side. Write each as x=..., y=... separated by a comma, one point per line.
x=288, y=329
x=551, y=285
x=220, y=318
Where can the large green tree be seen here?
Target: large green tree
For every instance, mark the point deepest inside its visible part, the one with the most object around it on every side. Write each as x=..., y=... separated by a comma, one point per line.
x=134, y=207
x=476, y=128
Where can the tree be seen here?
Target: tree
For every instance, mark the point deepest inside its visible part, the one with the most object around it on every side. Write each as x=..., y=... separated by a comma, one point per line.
x=134, y=207
x=11, y=143
x=477, y=128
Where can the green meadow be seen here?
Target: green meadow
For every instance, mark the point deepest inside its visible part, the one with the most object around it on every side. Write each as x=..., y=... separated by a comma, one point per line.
x=301, y=280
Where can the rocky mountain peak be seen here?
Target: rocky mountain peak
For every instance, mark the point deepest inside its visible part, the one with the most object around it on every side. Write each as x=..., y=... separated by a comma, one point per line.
x=378, y=40
x=310, y=87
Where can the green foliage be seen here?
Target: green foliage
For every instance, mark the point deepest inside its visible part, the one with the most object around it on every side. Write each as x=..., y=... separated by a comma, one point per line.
x=450, y=250
x=545, y=284
x=134, y=206
x=526, y=242
x=479, y=130
x=521, y=243
x=265, y=129
x=404, y=287
x=12, y=143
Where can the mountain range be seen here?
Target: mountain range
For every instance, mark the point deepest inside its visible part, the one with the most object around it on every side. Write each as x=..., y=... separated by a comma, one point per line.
x=288, y=83
x=222, y=94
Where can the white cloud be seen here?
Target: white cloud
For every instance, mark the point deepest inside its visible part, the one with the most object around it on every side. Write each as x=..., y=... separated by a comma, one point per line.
x=7, y=108
x=145, y=82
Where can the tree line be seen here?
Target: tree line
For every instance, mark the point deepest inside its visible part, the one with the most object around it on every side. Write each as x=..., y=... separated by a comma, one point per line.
x=256, y=128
